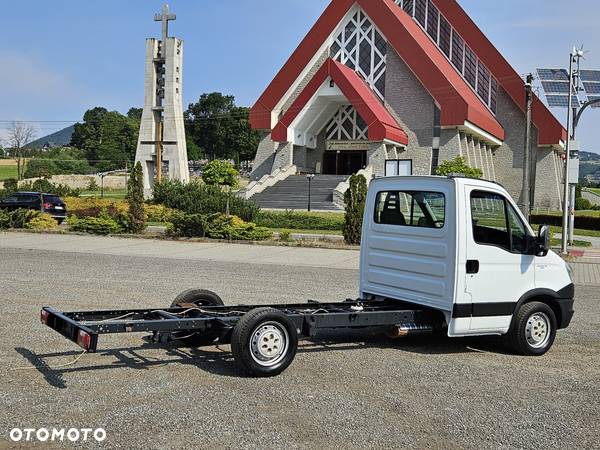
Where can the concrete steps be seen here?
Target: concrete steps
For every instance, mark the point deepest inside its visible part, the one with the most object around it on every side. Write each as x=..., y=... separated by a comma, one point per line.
x=292, y=193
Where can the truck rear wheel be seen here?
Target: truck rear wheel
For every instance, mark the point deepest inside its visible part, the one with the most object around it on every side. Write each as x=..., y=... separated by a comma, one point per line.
x=533, y=330
x=264, y=342
x=196, y=298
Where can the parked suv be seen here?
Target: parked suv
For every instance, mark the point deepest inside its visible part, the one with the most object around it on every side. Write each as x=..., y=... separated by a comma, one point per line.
x=47, y=203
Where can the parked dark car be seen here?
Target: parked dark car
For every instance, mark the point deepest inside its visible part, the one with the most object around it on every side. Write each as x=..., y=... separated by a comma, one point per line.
x=47, y=203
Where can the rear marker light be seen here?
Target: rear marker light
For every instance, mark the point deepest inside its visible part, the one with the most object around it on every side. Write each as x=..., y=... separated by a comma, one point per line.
x=44, y=316
x=84, y=340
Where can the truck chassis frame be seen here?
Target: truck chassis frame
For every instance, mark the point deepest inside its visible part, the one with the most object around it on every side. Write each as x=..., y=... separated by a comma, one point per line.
x=84, y=328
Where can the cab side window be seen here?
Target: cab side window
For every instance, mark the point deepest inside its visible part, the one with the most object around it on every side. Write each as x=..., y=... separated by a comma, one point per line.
x=495, y=222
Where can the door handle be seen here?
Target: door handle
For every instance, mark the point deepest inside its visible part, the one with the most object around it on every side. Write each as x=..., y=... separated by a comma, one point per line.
x=472, y=266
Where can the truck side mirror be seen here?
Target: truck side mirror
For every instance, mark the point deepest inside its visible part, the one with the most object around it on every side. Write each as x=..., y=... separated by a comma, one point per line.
x=542, y=244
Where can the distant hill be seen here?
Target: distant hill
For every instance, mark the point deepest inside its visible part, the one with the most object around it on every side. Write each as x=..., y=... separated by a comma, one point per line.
x=588, y=156
x=59, y=139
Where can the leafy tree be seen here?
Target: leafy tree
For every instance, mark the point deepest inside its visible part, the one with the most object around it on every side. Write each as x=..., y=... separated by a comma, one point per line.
x=135, y=114
x=458, y=165
x=58, y=161
x=194, y=152
x=221, y=128
x=135, y=195
x=354, y=199
x=220, y=173
x=107, y=138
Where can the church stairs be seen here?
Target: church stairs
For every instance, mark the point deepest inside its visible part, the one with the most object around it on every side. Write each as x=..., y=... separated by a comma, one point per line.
x=292, y=193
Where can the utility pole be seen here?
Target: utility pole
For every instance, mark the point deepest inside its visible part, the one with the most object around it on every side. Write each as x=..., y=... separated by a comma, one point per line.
x=527, y=150
x=565, y=218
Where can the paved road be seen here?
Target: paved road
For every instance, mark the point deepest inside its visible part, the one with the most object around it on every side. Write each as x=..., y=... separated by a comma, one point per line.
x=366, y=392
x=587, y=272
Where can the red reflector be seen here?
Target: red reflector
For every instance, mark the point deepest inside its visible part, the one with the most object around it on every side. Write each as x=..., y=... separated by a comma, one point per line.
x=84, y=340
x=44, y=316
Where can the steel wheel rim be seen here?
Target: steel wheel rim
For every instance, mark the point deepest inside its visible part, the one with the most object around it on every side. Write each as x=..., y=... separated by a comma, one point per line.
x=538, y=330
x=269, y=344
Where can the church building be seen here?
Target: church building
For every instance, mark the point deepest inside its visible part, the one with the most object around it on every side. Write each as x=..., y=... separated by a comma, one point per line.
x=395, y=87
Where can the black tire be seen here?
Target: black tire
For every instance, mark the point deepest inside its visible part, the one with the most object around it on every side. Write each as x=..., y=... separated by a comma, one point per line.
x=278, y=329
x=196, y=297
x=533, y=330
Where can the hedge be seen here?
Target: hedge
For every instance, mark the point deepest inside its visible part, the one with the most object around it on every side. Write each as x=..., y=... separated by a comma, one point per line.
x=218, y=226
x=581, y=222
x=197, y=198
x=300, y=220
x=18, y=218
x=95, y=225
x=42, y=222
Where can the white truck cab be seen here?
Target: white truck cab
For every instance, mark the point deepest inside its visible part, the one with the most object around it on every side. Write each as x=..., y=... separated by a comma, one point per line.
x=461, y=246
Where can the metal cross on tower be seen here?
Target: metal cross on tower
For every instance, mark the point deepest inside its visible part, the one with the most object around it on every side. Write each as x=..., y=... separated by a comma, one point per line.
x=165, y=18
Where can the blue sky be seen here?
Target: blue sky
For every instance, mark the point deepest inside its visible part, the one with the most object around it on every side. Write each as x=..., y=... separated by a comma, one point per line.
x=61, y=57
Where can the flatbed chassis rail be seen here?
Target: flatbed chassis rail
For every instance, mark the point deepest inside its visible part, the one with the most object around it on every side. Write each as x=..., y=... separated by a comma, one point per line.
x=83, y=328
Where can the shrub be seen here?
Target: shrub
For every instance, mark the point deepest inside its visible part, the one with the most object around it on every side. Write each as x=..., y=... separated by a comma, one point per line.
x=354, y=198
x=42, y=222
x=19, y=218
x=220, y=173
x=159, y=213
x=300, y=220
x=188, y=225
x=95, y=225
x=135, y=196
x=458, y=165
x=285, y=235
x=197, y=198
x=218, y=226
x=93, y=186
x=11, y=185
x=583, y=204
x=76, y=205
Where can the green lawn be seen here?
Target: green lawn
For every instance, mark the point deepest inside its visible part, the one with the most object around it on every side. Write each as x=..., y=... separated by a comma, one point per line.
x=294, y=231
x=118, y=193
x=588, y=213
x=8, y=172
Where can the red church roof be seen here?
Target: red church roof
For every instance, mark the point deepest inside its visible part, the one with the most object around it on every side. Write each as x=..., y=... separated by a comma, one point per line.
x=551, y=132
x=381, y=124
x=457, y=100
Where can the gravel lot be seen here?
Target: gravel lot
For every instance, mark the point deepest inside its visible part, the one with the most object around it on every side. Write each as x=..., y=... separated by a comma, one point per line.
x=423, y=392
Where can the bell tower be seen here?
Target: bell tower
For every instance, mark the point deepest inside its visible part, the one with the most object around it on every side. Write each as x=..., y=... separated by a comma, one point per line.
x=161, y=146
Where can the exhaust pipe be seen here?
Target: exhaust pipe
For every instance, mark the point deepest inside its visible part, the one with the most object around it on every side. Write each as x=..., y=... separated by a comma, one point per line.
x=408, y=329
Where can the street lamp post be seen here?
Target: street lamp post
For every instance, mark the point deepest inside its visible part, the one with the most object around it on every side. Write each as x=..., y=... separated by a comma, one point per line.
x=309, y=177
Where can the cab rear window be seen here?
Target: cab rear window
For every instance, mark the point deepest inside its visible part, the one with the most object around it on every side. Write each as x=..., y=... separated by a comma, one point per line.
x=411, y=209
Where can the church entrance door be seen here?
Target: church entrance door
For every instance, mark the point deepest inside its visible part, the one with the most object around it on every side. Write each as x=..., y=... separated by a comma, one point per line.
x=344, y=162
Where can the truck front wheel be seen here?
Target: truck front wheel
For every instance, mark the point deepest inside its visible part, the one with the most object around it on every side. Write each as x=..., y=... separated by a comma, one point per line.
x=533, y=330
x=264, y=342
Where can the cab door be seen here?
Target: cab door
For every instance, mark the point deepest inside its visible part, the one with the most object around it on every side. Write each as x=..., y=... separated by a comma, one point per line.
x=499, y=268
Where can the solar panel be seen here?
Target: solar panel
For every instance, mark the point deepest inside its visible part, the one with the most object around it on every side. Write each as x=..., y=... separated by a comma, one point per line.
x=560, y=101
x=592, y=88
x=590, y=75
x=556, y=87
x=553, y=74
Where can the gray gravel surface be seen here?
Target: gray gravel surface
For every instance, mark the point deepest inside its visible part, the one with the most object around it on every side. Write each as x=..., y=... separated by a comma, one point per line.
x=366, y=392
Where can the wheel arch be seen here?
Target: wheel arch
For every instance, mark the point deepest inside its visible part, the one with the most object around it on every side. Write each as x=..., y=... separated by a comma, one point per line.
x=546, y=296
